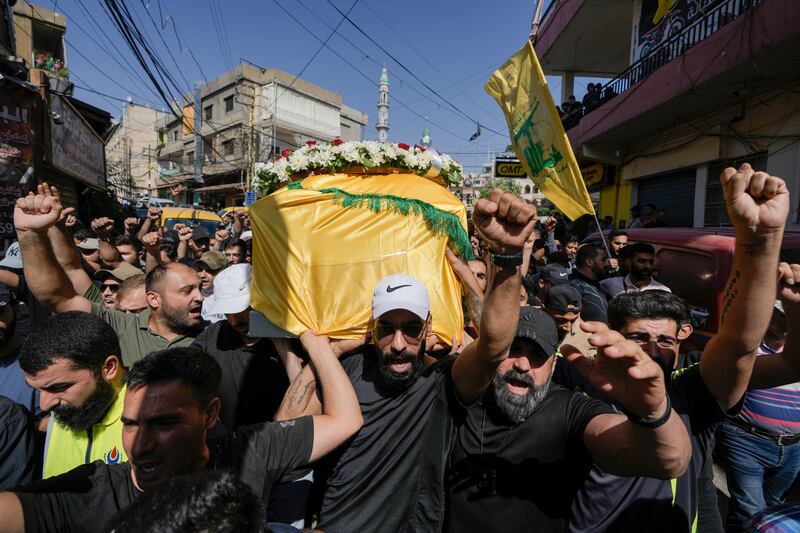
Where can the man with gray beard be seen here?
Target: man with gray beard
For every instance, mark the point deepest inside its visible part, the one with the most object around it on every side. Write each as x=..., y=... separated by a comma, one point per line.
x=523, y=450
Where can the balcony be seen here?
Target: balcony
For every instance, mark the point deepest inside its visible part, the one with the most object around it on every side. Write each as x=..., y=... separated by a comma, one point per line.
x=737, y=49
x=585, y=37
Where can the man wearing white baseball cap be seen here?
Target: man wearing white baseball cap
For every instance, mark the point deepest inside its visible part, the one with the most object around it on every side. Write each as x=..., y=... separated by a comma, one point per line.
x=253, y=377
x=390, y=477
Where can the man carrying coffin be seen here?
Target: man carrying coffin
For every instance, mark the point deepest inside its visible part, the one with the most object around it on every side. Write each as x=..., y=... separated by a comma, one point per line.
x=390, y=476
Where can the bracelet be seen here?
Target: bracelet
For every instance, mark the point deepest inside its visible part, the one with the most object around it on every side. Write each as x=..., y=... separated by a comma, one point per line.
x=647, y=423
x=506, y=261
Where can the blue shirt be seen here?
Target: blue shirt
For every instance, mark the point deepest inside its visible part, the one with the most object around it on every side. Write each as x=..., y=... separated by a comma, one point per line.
x=13, y=385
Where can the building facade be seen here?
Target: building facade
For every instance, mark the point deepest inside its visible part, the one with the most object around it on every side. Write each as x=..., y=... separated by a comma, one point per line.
x=248, y=114
x=693, y=88
x=130, y=152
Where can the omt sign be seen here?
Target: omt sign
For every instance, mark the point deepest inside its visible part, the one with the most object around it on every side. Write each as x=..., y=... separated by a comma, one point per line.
x=509, y=169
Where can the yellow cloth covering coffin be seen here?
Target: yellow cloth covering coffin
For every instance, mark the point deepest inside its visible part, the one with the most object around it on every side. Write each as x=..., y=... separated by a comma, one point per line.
x=316, y=263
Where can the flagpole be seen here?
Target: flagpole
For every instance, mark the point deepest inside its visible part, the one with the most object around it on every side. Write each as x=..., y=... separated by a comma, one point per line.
x=602, y=237
x=537, y=18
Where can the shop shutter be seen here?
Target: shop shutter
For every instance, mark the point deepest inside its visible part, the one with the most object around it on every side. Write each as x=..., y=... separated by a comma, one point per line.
x=673, y=192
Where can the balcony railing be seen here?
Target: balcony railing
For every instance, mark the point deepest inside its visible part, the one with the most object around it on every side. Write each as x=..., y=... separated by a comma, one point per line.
x=705, y=26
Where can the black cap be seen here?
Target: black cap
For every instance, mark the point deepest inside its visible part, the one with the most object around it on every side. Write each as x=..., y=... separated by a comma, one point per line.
x=170, y=236
x=199, y=233
x=554, y=273
x=564, y=299
x=538, y=326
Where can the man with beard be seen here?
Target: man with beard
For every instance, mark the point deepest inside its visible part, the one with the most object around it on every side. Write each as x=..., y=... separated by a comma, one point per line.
x=170, y=410
x=705, y=392
x=254, y=379
x=640, y=259
x=173, y=289
x=74, y=363
x=523, y=450
x=390, y=477
x=590, y=269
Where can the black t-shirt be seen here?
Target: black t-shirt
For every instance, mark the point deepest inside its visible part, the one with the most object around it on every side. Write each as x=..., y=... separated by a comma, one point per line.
x=87, y=497
x=254, y=379
x=613, y=503
x=519, y=477
x=390, y=476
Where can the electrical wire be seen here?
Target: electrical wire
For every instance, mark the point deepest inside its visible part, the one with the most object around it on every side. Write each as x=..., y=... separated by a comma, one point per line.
x=412, y=74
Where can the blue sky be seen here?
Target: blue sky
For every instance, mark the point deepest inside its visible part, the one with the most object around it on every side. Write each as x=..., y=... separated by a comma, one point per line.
x=452, y=46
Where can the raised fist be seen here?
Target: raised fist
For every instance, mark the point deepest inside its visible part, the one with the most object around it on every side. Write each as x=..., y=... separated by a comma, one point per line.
x=131, y=223
x=184, y=233
x=152, y=241
x=70, y=220
x=504, y=221
x=755, y=200
x=789, y=285
x=221, y=235
x=37, y=212
x=154, y=214
x=102, y=227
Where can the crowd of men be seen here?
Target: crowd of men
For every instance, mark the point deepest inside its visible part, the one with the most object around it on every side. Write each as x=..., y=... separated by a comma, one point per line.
x=137, y=397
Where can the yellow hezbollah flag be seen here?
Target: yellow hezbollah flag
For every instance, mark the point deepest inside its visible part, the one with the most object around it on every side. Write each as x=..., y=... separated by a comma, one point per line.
x=322, y=245
x=538, y=137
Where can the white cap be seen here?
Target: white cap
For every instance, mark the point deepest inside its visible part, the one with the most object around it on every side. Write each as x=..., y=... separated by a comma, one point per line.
x=400, y=292
x=246, y=235
x=89, y=244
x=13, y=258
x=232, y=290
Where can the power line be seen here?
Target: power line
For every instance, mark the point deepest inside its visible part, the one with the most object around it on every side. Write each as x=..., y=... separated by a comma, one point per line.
x=183, y=49
x=373, y=60
x=425, y=59
x=321, y=46
x=368, y=78
x=431, y=89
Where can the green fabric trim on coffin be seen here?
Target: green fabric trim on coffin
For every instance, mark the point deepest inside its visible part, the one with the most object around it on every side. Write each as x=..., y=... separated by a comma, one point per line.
x=440, y=223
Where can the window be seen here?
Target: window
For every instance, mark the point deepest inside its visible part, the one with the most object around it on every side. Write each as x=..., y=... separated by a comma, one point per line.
x=190, y=158
x=227, y=147
x=175, y=134
x=208, y=112
x=229, y=104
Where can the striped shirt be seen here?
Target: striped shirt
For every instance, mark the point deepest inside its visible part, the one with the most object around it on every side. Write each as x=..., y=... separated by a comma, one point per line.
x=775, y=410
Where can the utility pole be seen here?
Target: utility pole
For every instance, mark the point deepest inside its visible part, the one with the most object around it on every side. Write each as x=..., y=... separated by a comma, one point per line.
x=274, y=116
x=245, y=95
x=198, y=132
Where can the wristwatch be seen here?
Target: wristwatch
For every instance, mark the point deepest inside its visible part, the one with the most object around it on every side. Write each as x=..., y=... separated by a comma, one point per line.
x=507, y=261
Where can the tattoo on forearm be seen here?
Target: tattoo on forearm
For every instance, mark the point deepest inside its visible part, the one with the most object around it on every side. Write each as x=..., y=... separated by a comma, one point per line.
x=300, y=395
x=731, y=291
x=475, y=307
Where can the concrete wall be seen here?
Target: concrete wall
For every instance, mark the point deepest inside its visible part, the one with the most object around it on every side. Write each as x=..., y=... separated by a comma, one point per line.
x=133, y=144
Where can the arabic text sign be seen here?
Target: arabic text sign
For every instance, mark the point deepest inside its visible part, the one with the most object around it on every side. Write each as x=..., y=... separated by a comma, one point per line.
x=76, y=149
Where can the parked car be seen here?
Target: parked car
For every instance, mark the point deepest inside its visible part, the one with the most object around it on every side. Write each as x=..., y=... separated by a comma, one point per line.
x=231, y=209
x=191, y=217
x=695, y=264
x=160, y=202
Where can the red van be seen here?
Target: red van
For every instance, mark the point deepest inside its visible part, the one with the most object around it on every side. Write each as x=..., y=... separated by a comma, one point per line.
x=695, y=264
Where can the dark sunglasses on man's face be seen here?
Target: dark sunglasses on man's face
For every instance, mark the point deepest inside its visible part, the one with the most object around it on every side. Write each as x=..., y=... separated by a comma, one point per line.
x=411, y=330
x=110, y=286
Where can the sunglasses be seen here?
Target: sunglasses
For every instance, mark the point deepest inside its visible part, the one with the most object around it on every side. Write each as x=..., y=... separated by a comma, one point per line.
x=84, y=251
x=412, y=331
x=113, y=288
